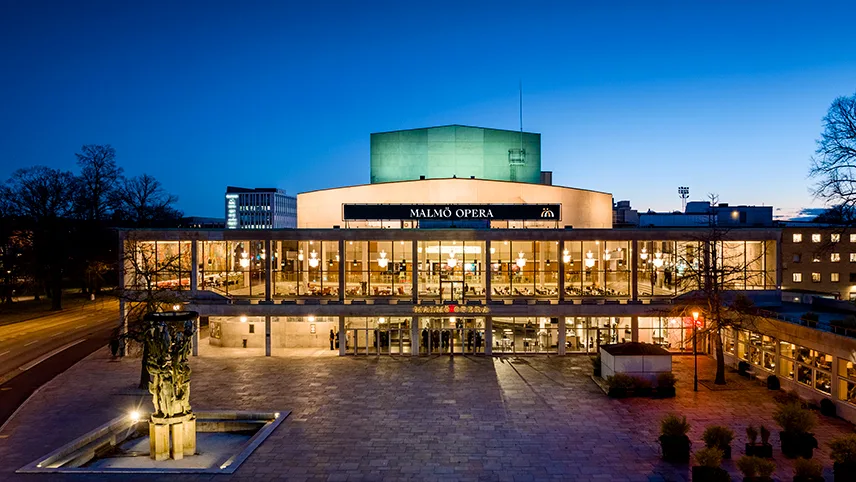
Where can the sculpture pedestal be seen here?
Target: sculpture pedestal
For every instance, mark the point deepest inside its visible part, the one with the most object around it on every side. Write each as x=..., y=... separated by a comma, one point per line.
x=172, y=437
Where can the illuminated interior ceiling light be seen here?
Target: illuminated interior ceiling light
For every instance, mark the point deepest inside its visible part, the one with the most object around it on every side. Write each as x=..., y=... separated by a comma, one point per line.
x=382, y=262
x=658, y=259
x=381, y=320
x=176, y=307
x=313, y=259
x=452, y=261
x=644, y=253
x=492, y=250
x=566, y=256
x=337, y=258
x=547, y=262
x=245, y=261
x=243, y=319
x=607, y=255
x=311, y=319
x=419, y=249
x=262, y=255
x=300, y=255
x=589, y=259
x=496, y=265
x=520, y=261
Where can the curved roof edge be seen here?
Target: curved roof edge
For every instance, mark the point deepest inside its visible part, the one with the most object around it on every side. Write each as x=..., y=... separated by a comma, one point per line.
x=454, y=125
x=455, y=179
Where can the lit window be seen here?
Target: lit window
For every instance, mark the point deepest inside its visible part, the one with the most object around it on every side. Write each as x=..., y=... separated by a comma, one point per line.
x=798, y=238
x=835, y=257
x=833, y=277
x=853, y=238
x=815, y=238
x=815, y=277
x=835, y=238
x=798, y=257
x=853, y=257
x=797, y=277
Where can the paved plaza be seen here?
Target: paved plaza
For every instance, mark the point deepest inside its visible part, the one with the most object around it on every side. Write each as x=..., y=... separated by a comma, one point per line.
x=389, y=418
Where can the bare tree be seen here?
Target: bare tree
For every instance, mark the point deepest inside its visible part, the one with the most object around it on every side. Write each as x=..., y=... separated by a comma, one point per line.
x=152, y=283
x=142, y=202
x=714, y=274
x=834, y=162
x=99, y=177
x=44, y=198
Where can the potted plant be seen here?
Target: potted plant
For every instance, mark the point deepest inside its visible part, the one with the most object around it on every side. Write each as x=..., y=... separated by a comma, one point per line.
x=843, y=454
x=797, y=424
x=595, y=364
x=807, y=470
x=773, y=383
x=620, y=385
x=719, y=437
x=673, y=438
x=666, y=384
x=708, y=469
x=756, y=469
x=743, y=368
x=827, y=407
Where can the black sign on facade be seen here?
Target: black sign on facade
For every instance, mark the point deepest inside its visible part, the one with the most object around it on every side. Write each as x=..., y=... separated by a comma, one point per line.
x=501, y=212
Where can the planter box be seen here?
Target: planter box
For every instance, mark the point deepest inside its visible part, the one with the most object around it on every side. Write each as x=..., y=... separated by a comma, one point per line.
x=796, y=445
x=710, y=474
x=675, y=448
x=760, y=450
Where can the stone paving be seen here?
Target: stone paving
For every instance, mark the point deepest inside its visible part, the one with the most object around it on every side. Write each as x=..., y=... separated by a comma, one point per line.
x=383, y=418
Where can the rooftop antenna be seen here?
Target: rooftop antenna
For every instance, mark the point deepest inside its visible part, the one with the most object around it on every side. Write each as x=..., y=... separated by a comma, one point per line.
x=517, y=157
x=684, y=193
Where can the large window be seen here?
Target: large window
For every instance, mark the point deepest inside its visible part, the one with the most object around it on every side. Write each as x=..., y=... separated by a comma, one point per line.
x=597, y=268
x=305, y=269
x=234, y=268
x=378, y=269
x=451, y=270
x=847, y=381
x=525, y=269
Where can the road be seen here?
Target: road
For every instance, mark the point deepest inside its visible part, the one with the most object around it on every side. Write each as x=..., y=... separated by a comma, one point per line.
x=34, y=351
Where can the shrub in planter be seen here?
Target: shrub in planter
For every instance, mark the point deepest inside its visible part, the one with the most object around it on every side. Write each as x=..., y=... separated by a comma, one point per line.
x=756, y=469
x=743, y=368
x=720, y=437
x=796, y=423
x=827, y=407
x=673, y=438
x=786, y=397
x=620, y=385
x=595, y=365
x=755, y=449
x=642, y=387
x=773, y=383
x=807, y=470
x=708, y=469
x=843, y=454
x=666, y=384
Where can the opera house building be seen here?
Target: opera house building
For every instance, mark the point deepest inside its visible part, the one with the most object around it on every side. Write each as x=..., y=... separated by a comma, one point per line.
x=459, y=245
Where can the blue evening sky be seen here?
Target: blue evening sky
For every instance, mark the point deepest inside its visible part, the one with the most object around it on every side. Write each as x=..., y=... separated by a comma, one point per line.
x=632, y=98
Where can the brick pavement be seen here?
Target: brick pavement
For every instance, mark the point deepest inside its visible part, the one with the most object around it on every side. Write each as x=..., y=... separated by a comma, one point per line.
x=370, y=418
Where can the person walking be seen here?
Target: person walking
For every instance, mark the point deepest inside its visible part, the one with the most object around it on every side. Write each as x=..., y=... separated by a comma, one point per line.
x=332, y=339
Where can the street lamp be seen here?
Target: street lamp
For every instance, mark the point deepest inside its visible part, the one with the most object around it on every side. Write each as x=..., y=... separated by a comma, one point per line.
x=695, y=351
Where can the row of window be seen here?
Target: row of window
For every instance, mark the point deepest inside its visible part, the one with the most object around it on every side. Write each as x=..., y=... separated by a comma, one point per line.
x=817, y=277
x=833, y=257
x=817, y=237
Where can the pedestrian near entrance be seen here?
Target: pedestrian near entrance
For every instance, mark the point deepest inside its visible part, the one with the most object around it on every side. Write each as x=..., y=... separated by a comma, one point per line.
x=332, y=338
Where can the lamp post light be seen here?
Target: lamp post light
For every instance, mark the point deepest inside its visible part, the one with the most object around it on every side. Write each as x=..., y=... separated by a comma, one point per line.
x=695, y=351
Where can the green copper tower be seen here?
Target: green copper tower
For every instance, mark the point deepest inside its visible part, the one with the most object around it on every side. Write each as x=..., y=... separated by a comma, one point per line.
x=456, y=151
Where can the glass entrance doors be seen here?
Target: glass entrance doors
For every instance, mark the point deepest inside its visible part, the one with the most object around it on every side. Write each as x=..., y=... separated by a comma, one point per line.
x=452, y=290
x=451, y=335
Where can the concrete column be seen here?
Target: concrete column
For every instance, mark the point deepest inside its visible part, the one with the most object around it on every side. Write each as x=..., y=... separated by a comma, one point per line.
x=343, y=337
x=634, y=328
x=267, y=335
x=415, y=336
x=414, y=268
x=562, y=268
x=123, y=325
x=833, y=392
x=194, y=268
x=194, y=342
x=488, y=335
x=268, y=270
x=488, y=273
x=634, y=277
x=562, y=342
x=341, y=271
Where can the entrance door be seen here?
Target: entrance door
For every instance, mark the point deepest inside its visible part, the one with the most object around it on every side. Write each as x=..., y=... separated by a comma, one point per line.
x=452, y=290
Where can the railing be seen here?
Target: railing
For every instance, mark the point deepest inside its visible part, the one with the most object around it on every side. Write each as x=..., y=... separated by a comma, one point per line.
x=816, y=324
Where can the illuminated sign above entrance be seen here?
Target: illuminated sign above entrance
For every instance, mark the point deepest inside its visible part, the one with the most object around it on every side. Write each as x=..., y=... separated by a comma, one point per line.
x=500, y=212
x=433, y=309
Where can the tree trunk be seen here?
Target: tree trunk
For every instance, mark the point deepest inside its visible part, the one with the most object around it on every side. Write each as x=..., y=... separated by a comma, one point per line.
x=144, y=373
x=720, y=358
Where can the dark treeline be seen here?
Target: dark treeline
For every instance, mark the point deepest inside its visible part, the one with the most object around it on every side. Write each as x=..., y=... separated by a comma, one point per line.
x=58, y=228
